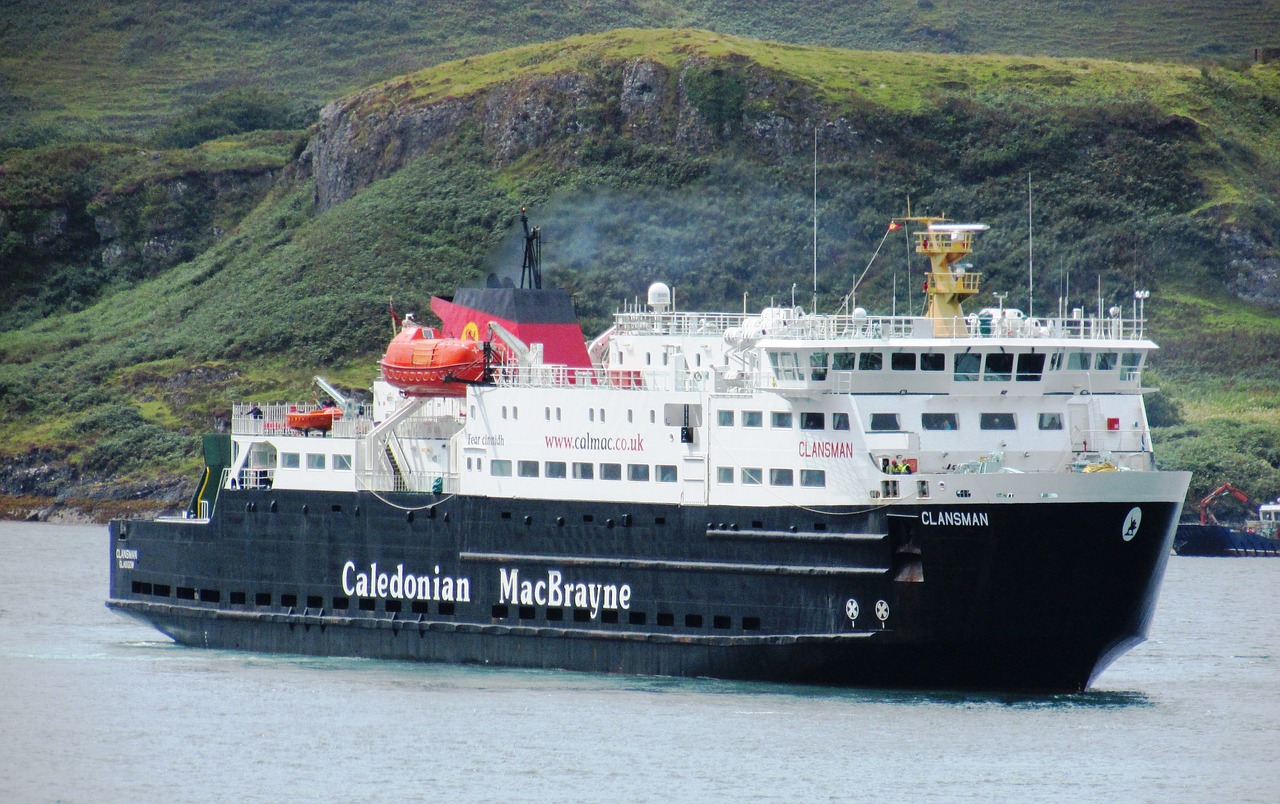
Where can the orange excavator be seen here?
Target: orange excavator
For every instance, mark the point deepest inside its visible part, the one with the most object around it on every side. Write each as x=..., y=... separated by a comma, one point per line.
x=1206, y=516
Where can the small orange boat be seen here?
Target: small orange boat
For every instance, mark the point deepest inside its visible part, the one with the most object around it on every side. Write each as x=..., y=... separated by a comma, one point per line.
x=420, y=364
x=321, y=419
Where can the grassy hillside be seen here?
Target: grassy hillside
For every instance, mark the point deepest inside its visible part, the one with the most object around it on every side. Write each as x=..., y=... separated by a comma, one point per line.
x=78, y=69
x=1145, y=175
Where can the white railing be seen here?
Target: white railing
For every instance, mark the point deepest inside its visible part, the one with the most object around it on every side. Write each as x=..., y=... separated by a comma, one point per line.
x=862, y=327
x=251, y=418
x=428, y=482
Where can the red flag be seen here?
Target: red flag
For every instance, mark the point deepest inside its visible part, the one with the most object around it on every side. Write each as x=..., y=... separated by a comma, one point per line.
x=395, y=319
x=894, y=225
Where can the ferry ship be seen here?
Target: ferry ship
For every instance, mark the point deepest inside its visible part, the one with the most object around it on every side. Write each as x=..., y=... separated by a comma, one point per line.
x=946, y=500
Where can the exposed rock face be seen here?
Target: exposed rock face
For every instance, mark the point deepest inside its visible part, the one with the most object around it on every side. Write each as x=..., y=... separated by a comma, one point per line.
x=1256, y=269
x=359, y=140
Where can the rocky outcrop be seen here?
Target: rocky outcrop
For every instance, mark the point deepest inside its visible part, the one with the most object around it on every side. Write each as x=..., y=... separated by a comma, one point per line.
x=367, y=137
x=1254, y=268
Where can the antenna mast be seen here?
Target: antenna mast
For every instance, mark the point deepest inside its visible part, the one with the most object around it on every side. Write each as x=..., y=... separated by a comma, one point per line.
x=1031, y=270
x=815, y=218
x=531, y=270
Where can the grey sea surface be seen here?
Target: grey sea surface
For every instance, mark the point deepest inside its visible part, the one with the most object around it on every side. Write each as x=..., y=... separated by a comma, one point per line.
x=95, y=707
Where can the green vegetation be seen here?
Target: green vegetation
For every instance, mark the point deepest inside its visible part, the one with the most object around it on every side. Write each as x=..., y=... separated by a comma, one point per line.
x=157, y=281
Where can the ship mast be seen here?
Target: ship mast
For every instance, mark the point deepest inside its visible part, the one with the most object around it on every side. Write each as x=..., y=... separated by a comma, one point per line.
x=948, y=283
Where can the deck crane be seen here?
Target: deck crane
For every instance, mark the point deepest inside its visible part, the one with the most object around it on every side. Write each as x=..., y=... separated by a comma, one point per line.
x=1206, y=516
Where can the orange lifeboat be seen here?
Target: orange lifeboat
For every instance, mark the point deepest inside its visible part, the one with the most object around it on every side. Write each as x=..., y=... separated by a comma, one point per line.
x=421, y=365
x=321, y=419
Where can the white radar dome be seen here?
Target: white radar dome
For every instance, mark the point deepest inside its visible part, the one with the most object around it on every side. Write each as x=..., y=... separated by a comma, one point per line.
x=659, y=297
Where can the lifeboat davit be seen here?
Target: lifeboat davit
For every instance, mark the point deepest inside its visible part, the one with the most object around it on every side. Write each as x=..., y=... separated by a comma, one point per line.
x=321, y=419
x=420, y=364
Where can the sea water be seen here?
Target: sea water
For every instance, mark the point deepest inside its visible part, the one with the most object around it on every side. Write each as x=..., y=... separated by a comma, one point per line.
x=96, y=707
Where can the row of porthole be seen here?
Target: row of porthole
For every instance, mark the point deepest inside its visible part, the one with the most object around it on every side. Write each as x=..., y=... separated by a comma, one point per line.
x=409, y=516
x=286, y=601
x=613, y=616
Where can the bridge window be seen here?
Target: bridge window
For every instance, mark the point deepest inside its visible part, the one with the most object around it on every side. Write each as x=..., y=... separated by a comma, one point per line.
x=903, y=361
x=1129, y=363
x=1078, y=361
x=967, y=366
x=844, y=361
x=933, y=361
x=870, y=361
x=1030, y=367
x=1106, y=361
x=818, y=366
x=999, y=367
x=786, y=365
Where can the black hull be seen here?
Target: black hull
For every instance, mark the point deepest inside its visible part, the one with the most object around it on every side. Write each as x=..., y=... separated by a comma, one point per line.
x=1219, y=541
x=1024, y=597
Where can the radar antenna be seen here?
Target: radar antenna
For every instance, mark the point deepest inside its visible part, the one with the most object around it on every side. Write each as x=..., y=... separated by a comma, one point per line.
x=531, y=270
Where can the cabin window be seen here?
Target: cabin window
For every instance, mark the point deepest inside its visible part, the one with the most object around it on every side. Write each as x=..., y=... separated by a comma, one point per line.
x=697, y=360
x=342, y=462
x=290, y=460
x=780, y=420
x=902, y=361
x=751, y=476
x=818, y=366
x=583, y=471
x=781, y=477
x=786, y=365
x=1050, y=421
x=631, y=416
x=724, y=418
x=315, y=461
x=997, y=421
x=844, y=361
x=999, y=367
x=527, y=468
x=812, y=420
x=870, y=361
x=591, y=414
x=885, y=422
x=1030, y=367
x=724, y=475
x=468, y=464
x=666, y=474
x=557, y=414
x=813, y=478
x=610, y=471
x=938, y=421
x=933, y=361
x=839, y=421
x=504, y=411
x=1106, y=361
x=637, y=471
x=500, y=468
x=548, y=414
x=601, y=414
x=1078, y=361
x=648, y=358
x=1055, y=361
x=752, y=418
x=1129, y=363
x=653, y=417
x=967, y=366
x=555, y=469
